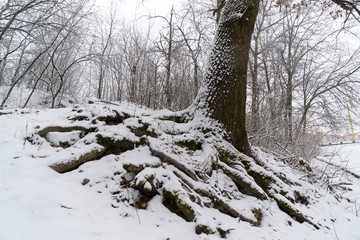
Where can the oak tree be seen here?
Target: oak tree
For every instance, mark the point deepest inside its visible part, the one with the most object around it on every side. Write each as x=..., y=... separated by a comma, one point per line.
x=223, y=96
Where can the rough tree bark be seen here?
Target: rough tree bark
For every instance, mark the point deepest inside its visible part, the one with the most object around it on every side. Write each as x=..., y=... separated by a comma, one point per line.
x=223, y=95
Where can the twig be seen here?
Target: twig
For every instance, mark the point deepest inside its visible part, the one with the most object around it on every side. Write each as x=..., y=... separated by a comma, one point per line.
x=26, y=131
x=108, y=102
x=337, y=237
x=340, y=167
x=4, y=181
x=136, y=210
x=137, y=213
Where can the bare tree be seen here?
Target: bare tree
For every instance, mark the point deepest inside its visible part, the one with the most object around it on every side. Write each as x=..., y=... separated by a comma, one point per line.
x=196, y=32
x=34, y=23
x=351, y=6
x=106, y=43
x=165, y=45
x=290, y=62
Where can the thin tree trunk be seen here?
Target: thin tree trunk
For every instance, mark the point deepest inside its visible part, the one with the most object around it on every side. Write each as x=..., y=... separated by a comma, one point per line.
x=289, y=108
x=255, y=91
x=168, y=87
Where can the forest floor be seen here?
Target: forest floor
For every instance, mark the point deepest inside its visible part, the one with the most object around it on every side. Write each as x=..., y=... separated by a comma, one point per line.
x=39, y=203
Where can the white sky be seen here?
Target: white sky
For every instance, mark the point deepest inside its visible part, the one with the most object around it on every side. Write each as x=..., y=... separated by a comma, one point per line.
x=132, y=9
x=138, y=10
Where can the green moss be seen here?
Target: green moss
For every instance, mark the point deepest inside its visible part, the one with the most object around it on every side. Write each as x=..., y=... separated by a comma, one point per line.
x=168, y=195
x=186, y=209
x=149, y=192
x=176, y=205
x=292, y=212
x=295, y=214
x=136, y=168
x=133, y=168
x=225, y=157
x=114, y=146
x=111, y=119
x=190, y=144
x=150, y=178
x=263, y=181
x=231, y=159
x=258, y=216
x=286, y=195
x=284, y=179
x=246, y=164
x=143, y=130
x=146, y=187
x=242, y=185
x=142, y=202
x=201, y=228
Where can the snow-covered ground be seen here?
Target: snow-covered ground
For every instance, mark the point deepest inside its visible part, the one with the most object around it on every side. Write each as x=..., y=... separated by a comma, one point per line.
x=337, y=165
x=20, y=95
x=37, y=203
x=344, y=155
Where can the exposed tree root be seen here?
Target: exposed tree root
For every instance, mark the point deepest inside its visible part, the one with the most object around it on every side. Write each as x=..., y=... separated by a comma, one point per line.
x=216, y=200
x=168, y=159
x=116, y=146
x=43, y=132
x=186, y=169
x=115, y=118
x=287, y=207
x=243, y=185
x=63, y=167
x=5, y=113
x=136, y=168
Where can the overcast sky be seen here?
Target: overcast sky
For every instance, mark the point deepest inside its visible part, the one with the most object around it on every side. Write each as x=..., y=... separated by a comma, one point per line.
x=136, y=8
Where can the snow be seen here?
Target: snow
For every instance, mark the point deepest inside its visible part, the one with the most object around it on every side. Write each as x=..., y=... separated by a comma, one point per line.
x=347, y=156
x=139, y=156
x=20, y=94
x=38, y=203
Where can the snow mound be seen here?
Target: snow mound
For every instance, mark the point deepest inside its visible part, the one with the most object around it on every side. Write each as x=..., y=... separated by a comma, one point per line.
x=122, y=172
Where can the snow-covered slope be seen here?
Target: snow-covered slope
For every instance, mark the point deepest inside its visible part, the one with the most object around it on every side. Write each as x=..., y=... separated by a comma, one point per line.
x=19, y=96
x=38, y=203
x=344, y=155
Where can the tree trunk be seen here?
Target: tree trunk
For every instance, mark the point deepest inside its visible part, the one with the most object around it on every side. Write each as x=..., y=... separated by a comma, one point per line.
x=223, y=96
x=255, y=89
x=101, y=80
x=169, y=55
x=289, y=108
